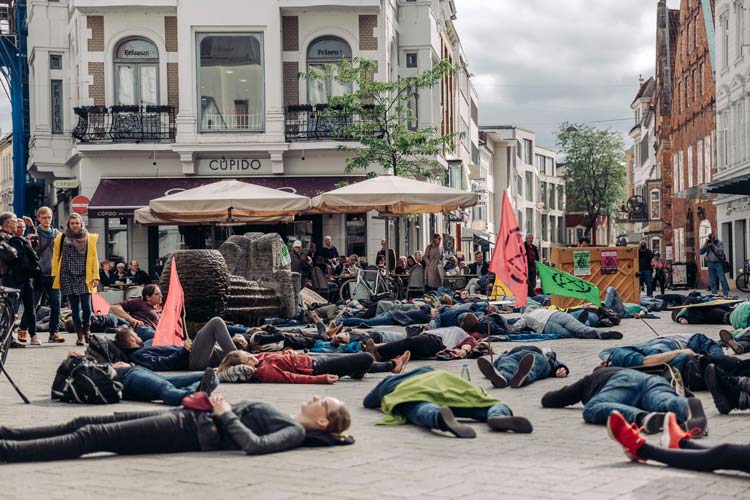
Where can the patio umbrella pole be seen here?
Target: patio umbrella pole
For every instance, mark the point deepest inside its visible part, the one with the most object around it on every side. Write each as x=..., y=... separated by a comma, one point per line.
x=387, y=243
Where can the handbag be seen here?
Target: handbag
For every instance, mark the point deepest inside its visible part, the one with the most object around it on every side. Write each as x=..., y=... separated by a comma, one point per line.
x=726, y=267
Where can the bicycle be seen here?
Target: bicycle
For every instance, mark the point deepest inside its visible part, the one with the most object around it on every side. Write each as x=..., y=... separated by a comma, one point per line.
x=742, y=282
x=370, y=284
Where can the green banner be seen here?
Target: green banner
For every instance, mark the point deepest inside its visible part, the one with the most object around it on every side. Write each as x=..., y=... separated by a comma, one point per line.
x=560, y=283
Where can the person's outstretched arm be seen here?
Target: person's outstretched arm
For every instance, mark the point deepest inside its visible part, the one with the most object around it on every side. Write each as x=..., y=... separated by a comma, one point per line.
x=568, y=395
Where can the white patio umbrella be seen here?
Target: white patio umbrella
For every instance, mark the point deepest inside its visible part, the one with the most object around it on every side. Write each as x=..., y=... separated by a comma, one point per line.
x=145, y=217
x=229, y=200
x=391, y=195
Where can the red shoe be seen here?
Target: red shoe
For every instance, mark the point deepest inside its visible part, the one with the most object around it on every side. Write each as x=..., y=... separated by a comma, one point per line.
x=628, y=435
x=673, y=433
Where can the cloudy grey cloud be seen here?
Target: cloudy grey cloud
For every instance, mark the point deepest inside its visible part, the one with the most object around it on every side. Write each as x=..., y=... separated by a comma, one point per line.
x=538, y=63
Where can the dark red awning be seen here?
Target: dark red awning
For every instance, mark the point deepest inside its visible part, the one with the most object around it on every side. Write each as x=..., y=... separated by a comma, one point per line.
x=120, y=197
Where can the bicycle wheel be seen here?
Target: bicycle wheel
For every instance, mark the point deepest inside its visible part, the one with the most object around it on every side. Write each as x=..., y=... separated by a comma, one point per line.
x=743, y=282
x=345, y=292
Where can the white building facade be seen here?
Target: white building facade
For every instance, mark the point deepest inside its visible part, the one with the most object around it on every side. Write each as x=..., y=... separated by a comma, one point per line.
x=6, y=173
x=139, y=99
x=732, y=181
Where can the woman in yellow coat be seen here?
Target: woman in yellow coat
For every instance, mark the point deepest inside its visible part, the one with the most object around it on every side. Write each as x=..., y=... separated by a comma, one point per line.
x=75, y=266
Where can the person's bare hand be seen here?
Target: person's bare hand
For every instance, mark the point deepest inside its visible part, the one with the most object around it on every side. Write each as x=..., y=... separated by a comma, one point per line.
x=561, y=373
x=219, y=405
x=75, y=354
x=121, y=364
x=27, y=220
x=136, y=323
x=331, y=379
x=188, y=344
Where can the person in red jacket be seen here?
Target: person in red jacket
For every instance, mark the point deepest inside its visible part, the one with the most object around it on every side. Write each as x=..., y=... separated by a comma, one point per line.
x=289, y=367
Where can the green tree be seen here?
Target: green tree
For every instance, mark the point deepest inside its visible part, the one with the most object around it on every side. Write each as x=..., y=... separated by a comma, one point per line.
x=594, y=170
x=379, y=118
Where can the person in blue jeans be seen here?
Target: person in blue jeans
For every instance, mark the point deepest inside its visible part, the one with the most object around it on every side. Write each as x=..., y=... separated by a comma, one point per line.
x=394, y=317
x=433, y=398
x=613, y=301
x=673, y=349
x=642, y=399
x=521, y=366
x=715, y=256
x=558, y=323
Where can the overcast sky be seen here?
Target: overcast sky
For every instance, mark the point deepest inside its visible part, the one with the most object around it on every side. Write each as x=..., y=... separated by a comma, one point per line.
x=537, y=63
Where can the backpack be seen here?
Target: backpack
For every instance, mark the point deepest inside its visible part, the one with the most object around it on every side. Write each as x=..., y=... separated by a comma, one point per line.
x=104, y=350
x=27, y=264
x=83, y=381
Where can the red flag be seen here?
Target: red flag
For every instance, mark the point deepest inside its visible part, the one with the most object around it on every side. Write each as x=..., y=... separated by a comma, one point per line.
x=509, y=258
x=99, y=304
x=171, y=327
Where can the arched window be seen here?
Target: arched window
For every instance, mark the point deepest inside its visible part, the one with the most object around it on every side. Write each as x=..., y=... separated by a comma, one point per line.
x=136, y=72
x=321, y=52
x=655, y=204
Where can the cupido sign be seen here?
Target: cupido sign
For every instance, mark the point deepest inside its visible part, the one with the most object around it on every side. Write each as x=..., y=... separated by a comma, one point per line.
x=233, y=167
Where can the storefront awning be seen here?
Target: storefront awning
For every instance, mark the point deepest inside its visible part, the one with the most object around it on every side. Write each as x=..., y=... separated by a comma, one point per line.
x=120, y=197
x=735, y=185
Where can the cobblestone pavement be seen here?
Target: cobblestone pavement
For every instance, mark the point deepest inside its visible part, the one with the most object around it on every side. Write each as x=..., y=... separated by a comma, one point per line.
x=563, y=458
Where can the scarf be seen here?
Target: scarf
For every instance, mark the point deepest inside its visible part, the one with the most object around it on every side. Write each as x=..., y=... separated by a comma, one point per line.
x=79, y=240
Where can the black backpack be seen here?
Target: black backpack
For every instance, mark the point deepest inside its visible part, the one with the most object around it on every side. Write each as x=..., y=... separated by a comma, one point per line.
x=27, y=264
x=83, y=381
x=104, y=350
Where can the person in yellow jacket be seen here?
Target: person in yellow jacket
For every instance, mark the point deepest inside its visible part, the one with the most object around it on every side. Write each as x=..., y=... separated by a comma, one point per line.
x=75, y=267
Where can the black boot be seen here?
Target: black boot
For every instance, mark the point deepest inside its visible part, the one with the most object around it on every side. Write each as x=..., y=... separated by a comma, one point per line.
x=724, y=390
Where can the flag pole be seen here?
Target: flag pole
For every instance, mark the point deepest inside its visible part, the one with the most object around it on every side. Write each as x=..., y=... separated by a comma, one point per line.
x=649, y=327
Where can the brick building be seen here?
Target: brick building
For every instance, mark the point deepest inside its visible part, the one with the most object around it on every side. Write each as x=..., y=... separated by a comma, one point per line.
x=693, y=126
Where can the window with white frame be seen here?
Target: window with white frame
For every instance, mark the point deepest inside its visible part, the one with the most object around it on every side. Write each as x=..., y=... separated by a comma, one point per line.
x=675, y=167
x=136, y=64
x=230, y=82
x=321, y=53
x=739, y=27
x=699, y=161
x=695, y=85
x=689, y=166
x=687, y=91
x=679, y=244
x=655, y=204
x=679, y=95
x=708, y=158
x=689, y=37
x=703, y=231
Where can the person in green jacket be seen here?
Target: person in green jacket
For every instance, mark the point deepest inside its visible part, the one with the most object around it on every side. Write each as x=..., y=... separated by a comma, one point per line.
x=434, y=398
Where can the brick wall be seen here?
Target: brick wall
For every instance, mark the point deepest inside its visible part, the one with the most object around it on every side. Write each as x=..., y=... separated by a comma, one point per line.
x=367, y=38
x=170, y=33
x=96, y=25
x=96, y=87
x=290, y=33
x=291, y=83
x=173, y=80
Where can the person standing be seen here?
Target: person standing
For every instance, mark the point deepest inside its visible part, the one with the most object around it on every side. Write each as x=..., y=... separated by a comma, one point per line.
x=714, y=252
x=301, y=263
x=328, y=252
x=43, y=239
x=532, y=256
x=644, y=268
x=433, y=258
x=391, y=259
x=75, y=266
x=659, y=277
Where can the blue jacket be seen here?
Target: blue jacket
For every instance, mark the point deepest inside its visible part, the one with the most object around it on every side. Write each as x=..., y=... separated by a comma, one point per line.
x=163, y=358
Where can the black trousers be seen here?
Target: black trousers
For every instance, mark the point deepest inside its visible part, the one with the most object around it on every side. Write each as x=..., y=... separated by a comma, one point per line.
x=696, y=457
x=354, y=365
x=531, y=281
x=124, y=433
x=421, y=346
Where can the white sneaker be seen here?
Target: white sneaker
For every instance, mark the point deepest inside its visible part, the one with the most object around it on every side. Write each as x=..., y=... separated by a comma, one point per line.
x=236, y=373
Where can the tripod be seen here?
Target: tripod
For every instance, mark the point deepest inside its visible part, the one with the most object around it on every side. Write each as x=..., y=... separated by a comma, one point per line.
x=8, y=299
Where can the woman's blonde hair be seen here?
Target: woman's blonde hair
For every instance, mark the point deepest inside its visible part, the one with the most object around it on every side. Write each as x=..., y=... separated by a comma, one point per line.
x=231, y=359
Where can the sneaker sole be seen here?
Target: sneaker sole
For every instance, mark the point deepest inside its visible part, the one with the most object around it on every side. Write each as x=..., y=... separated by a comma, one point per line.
x=728, y=339
x=486, y=368
x=696, y=417
x=653, y=425
x=518, y=425
x=524, y=368
x=458, y=430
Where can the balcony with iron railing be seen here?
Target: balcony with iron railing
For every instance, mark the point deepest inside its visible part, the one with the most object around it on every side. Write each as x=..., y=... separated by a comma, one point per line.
x=317, y=123
x=125, y=124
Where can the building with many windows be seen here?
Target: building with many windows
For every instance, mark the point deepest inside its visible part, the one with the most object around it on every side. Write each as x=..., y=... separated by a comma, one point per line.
x=530, y=174
x=6, y=171
x=141, y=100
x=732, y=177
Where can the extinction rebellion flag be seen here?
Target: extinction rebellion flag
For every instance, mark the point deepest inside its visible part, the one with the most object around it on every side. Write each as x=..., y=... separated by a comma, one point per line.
x=560, y=283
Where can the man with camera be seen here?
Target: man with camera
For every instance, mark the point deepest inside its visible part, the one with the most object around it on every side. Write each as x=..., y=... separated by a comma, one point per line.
x=714, y=252
x=13, y=274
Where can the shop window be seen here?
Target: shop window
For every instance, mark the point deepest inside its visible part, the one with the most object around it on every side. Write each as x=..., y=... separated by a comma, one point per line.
x=324, y=51
x=136, y=72
x=356, y=234
x=230, y=80
x=117, y=238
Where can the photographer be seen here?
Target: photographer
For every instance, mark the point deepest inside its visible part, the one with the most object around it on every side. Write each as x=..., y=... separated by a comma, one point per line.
x=8, y=262
x=714, y=251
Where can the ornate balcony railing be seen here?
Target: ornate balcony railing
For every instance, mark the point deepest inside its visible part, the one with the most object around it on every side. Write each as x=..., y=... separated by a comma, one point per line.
x=117, y=124
x=312, y=123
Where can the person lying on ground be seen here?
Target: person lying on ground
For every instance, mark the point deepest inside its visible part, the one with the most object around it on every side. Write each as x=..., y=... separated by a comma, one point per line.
x=642, y=398
x=452, y=315
x=141, y=384
x=253, y=427
x=729, y=390
x=393, y=317
x=546, y=321
x=703, y=315
x=613, y=301
x=100, y=323
x=671, y=349
x=677, y=447
x=289, y=367
x=422, y=346
x=199, y=354
x=521, y=366
x=432, y=399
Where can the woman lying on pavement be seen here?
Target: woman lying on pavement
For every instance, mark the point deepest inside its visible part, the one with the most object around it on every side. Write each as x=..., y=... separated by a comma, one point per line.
x=433, y=398
x=677, y=447
x=521, y=366
x=425, y=345
x=563, y=325
x=255, y=428
x=641, y=397
x=289, y=367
